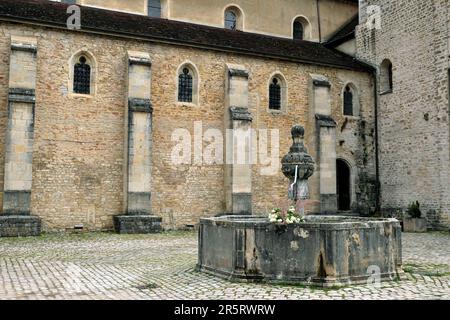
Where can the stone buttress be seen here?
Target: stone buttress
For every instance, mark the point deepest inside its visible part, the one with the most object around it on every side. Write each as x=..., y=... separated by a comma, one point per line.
x=325, y=142
x=138, y=216
x=238, y=162
x=16, y=219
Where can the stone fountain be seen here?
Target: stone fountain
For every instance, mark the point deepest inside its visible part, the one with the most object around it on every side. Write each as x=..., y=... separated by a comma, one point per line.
x=323, y=250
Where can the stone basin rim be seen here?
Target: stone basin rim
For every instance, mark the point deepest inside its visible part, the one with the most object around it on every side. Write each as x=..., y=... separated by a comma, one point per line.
x=320, y=221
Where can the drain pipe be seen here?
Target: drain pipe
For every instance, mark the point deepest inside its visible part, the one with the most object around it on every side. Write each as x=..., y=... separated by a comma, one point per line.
x=377, y=153
x=318, y=21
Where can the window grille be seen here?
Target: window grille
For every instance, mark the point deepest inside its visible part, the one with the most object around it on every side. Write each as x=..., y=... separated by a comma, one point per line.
x=185, y=86
x=298, y=30
x=82, y=77
x=230, y=20
x=275, y=95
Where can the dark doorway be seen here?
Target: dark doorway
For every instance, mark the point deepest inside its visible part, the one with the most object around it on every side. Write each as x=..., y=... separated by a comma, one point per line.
x=343, y=185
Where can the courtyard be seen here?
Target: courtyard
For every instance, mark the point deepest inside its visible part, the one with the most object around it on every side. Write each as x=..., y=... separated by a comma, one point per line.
x=99, y=266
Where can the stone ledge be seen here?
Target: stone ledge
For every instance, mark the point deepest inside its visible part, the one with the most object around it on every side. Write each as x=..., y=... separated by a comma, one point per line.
x=234, y=72
x=240, y=113
x=325, y=121
x=22, y=95
x=137, y=224
x=26, y=47
x=140, y=105
x=322, y=83
x=20, y=226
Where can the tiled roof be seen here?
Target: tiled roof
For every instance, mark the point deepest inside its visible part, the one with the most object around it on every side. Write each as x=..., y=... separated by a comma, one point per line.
x=94, y=20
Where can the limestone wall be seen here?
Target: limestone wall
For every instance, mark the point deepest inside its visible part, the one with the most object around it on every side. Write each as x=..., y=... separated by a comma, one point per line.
x=79, y=141
x=268, y=17
x=131, y=6
x=414, y=118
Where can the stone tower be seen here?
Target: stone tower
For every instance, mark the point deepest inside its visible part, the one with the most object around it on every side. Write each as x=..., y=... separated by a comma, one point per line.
x=408, y=41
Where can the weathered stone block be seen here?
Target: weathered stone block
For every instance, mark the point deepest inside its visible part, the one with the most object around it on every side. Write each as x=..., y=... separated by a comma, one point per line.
x=137, y=224
x=324, y=251
x=242, y=203
x=328, y=203
x=139, y=203
x=16, y=203
x=19, y=226
x=415, y=225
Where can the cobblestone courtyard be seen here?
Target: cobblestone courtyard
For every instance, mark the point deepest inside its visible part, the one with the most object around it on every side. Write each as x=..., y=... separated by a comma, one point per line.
x=111, y=266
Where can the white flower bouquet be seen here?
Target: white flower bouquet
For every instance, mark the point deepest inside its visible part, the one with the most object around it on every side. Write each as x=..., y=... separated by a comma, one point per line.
x=289, y=217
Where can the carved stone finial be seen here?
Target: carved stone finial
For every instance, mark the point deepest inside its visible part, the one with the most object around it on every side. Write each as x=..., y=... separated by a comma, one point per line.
x=299, y=162
x=297, y=132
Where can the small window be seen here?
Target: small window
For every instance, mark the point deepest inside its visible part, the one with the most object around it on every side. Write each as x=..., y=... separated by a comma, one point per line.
x=301, y=28
x=348, y=101
x=82, y=73
x=82, y=76
x=230, y=20
x=298, y=30
x=386, y=77
x=233, y=18
x=275, y=94
x=188, y=84
x=185, y=85
x=154, y=8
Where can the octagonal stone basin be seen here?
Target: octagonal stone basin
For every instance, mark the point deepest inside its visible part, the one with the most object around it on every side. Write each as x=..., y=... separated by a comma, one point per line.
x=323, y=251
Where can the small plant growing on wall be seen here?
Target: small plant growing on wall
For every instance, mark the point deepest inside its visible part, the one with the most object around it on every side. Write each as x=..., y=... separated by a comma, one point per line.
x=414, y=210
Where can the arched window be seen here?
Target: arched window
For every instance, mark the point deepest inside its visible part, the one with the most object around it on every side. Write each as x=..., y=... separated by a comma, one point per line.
x=348, y=101
x=188, y=83
x=185, y=85
x=154, y=8
x=82, y=76
x=386, y=77
x=233, y=18
x=298, y=30
x=301, y=29
x=82, y=73
x=275, y=94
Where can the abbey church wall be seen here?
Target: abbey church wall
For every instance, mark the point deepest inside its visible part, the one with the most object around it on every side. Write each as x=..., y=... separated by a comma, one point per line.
x=79, y=148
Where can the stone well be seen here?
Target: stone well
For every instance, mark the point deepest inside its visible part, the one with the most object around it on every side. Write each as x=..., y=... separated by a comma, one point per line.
x=324, y=251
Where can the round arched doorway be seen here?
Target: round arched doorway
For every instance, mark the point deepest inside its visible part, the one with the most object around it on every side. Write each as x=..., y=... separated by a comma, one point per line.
x=343, y=175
